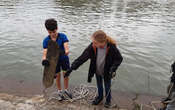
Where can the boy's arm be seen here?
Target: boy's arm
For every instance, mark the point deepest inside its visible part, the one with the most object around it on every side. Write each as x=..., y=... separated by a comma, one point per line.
x=66, y=47
x=45, y=62
x=44, y=54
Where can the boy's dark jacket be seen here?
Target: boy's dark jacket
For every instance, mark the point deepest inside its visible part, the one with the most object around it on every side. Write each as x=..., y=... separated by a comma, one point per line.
x=112, y=61
x=173, y=71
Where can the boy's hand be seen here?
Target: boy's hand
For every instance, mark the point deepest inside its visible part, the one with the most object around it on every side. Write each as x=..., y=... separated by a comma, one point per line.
x=67, y=73
x=45, y=63
x=165, y=100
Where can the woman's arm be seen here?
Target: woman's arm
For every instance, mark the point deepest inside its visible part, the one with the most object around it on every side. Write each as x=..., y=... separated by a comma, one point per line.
x=82, y=58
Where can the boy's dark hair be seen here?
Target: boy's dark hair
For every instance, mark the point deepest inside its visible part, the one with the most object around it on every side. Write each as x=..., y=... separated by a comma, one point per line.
x=51, y=24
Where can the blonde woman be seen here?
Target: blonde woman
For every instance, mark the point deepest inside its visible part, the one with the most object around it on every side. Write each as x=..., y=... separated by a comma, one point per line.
x=105, y=58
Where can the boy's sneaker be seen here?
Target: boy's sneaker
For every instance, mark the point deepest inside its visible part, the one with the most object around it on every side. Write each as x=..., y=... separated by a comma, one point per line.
x=107, y=105
x=97, y=100
x=60, y=96
x=68, y=94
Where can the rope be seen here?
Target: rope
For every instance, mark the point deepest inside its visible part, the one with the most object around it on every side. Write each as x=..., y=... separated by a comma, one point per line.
x=87, y=93
x=80, y=93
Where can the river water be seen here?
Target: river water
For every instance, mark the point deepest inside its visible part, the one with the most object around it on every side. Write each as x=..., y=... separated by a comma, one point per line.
x=144, y=31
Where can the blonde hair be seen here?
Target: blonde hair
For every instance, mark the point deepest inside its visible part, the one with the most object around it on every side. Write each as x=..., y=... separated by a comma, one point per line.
x=101, y=37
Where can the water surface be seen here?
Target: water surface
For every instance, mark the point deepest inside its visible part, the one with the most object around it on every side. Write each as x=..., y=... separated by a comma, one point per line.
x=144, y=30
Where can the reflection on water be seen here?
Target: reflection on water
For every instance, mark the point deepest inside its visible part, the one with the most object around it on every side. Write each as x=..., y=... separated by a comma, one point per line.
x=144, y=30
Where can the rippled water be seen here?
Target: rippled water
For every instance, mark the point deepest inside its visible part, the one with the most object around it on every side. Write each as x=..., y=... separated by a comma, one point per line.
x=144, y=30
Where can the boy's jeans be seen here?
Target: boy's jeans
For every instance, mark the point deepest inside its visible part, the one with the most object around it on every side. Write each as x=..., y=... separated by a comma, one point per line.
x=107, y=85
x=171, y=106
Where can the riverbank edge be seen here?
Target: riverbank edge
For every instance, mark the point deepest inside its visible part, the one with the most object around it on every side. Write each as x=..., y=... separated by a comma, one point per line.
x=124, y=101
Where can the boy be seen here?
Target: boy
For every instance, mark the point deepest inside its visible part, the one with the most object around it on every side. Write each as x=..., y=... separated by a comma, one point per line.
x=171, y=91
x=169, y=101
x=63, y=62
